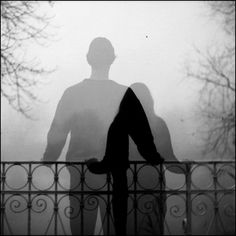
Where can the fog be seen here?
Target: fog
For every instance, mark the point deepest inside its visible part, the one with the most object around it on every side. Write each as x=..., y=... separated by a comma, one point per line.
x=152, y=42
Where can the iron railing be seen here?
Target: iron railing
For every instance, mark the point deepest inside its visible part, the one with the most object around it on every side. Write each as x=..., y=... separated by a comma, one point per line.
x=64, y=198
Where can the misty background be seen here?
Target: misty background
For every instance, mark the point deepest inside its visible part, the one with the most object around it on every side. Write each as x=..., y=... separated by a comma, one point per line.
x=153, y=42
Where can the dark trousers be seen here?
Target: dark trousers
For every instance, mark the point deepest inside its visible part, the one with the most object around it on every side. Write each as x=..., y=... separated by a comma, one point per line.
x=120, y=200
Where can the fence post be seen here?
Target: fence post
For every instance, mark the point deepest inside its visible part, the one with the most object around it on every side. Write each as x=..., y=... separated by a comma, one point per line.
x=216, y=213
x=56, y=203
x=82, y=199
x=3, y=178
x=161, y=200
x=29, y=206
x=108, y=202
x=188, y=200
x=135, y=199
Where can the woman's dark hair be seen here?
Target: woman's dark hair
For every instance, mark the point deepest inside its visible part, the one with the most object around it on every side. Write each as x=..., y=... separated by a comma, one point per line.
x=101, y=53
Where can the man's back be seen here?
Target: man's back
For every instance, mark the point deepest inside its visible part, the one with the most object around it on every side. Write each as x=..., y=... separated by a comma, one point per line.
x=86, y=111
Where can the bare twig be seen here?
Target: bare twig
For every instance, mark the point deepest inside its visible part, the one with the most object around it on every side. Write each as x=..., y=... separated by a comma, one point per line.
x=20, y=22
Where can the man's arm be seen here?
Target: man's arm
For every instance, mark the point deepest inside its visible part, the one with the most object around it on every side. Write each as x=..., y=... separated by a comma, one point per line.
x=59, y=129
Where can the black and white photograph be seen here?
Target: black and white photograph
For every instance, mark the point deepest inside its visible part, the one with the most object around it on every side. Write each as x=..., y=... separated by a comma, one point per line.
x=117, y=118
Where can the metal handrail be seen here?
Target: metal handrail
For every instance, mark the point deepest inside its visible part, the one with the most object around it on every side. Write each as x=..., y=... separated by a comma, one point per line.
x=220, y=174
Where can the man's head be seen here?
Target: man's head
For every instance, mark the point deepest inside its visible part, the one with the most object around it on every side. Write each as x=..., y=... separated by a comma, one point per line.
x=101, y=53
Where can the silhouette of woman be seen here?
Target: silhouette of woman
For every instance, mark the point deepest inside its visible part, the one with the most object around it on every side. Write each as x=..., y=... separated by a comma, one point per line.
x=129, y=121
x=163, y=144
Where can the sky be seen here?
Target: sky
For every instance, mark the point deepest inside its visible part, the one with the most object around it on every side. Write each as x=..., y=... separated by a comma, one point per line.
x=152, y=41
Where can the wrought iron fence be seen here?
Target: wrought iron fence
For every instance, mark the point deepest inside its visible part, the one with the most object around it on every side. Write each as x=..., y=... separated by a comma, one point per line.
x=65, y=198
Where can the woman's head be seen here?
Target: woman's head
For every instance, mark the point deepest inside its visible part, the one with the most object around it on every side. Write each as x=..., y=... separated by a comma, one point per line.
x=101, y=53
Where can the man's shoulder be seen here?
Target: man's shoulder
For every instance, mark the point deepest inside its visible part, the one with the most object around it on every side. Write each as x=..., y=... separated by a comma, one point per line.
x=85, y=87
x=118, y=85
x=74, y=88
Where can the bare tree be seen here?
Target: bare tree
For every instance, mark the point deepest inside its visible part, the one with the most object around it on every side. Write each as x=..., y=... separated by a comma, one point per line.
x=216, y=70
x=226, y=12
x=20, y=23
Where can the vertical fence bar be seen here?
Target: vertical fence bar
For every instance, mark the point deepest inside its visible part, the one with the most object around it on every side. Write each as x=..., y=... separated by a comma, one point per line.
x=215, y=198
x=82, y=199
x=3, y=178
x=188, y=199
x=135, y=200
x=56, y=197
x=108, y=202
x=161, y=200
x=29, y=206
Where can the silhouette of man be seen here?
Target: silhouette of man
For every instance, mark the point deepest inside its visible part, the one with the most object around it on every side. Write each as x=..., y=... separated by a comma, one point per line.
x=99, y=114
x=86, y=111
